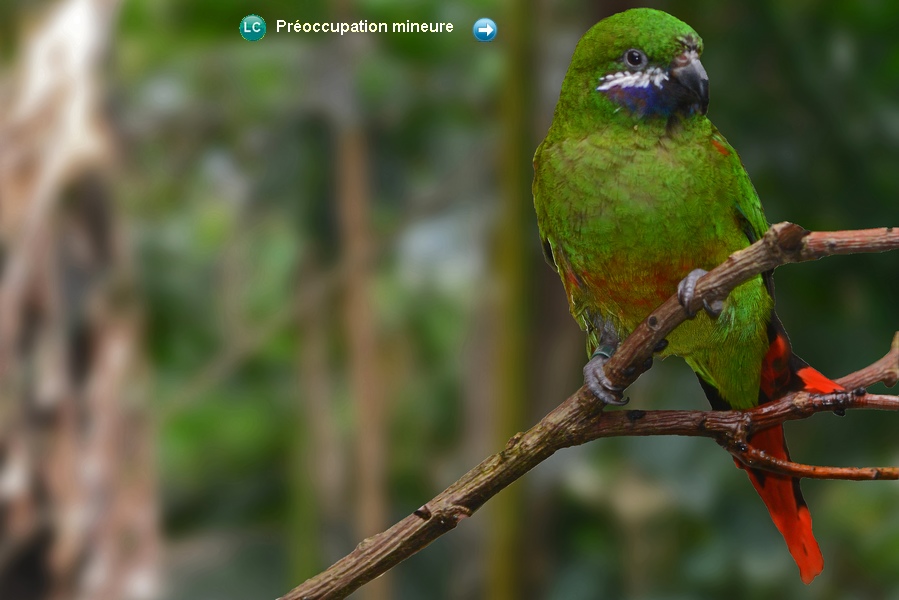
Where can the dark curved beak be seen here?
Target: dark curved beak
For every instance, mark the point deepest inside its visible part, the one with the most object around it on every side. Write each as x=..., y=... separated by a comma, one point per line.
x=693, y=77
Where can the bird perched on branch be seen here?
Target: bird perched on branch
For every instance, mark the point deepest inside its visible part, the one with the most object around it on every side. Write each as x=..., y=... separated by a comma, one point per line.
x=637, y=194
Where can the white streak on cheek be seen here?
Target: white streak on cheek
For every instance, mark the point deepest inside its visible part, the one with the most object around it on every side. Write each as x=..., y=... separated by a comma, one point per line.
x=640, y=79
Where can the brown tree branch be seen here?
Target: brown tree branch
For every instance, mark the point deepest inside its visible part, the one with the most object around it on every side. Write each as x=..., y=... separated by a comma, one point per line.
x=577, y=420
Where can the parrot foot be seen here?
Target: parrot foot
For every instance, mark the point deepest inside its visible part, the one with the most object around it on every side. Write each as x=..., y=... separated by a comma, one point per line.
x=686, y=289
x=596, y=381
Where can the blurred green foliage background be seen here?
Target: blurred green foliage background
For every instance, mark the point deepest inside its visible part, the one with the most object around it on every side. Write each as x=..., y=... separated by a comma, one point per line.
x=347, y=307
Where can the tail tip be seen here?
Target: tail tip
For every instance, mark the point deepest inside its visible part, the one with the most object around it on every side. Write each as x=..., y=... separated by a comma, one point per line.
x=808, y=573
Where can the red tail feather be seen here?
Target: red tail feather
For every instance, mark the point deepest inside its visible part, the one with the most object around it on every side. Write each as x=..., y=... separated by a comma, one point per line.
x=788, y=510
x=782, y=372
x=813, y=381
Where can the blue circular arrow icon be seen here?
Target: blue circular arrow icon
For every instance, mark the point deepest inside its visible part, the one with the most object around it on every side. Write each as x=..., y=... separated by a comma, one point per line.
x=484, y=30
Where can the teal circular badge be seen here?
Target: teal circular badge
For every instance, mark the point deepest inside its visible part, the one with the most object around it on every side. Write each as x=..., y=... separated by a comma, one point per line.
x=252, y=28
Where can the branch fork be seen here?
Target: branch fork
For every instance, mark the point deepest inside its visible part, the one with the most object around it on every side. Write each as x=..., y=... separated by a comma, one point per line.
x=740, y=445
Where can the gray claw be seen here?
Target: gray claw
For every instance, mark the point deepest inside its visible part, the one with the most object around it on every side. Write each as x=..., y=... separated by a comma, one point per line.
x=714, y=308
x=686, y=290
x=596, y=381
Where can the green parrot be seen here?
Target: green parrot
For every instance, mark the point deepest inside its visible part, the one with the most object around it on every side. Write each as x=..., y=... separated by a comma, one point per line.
x=637, y=194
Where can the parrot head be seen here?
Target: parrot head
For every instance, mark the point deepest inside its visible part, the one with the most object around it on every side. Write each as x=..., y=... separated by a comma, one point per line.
x=642, y=61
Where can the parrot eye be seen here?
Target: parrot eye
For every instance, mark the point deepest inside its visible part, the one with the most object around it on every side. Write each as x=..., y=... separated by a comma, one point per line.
x=635, y=58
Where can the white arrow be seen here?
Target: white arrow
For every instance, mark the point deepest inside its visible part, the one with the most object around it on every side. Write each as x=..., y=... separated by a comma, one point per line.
x=486, y=29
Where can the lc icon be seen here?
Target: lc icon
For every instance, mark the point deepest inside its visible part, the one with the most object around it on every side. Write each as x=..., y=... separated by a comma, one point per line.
x=252, y=28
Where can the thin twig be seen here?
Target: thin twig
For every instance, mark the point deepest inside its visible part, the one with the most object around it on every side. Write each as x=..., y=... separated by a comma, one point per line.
x=577, y=420
x=758, y=459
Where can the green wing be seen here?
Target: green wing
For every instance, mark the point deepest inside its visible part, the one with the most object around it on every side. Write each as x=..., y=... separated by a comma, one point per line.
x=748, y=204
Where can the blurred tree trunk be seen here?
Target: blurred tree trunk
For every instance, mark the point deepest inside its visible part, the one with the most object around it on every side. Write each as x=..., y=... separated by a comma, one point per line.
x=78, y=514
x=366, y=384
x=319, y=465
x=514, y=264
x=365, y=377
